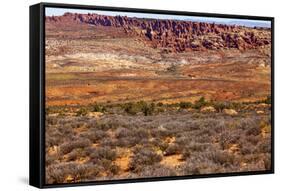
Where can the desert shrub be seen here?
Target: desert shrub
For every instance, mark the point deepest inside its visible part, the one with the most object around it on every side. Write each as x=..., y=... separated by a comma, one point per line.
x=236, y=105
x=69, y=146
x=145, y=108
x=159, y=133
x=254, y=130
x=162, y=145
x=175, y=127
x=108, y=142
x=196, y=147
x=210, y=161
x=114, y=169
x=204, y=141
x=257, y=162
x=148, y=109
x=75, y=154
x=58, y=173
x=130, y=108
x=228, y=137
x=123, y=132
x=81, y=112
x=103, y=153
x=184, y=139
x=267, y=161
x=50, y=159
x=53, y=137
x=264, y=146
x=186, y=153
x=134, y=107
x=104, y=163
x=89, y=150
x=255, y=166
x=191, y=168
x=143, y=157
x=185, y=105
x=172, y=150
x=93, y=135
x=97, y=108
x=157, y=170
x=247, y=123
x=141, y=134
x=199, y=163
x=172, y=105
x=107, y=124
x=51, y=120
x=66, y=127
x=268, y=100
x=221, y=157
x=60, y=110
x=252, y=158
x=126, y=137
x=247, y=148
x=203, y=138
x=205, y=131
x=253, y=139
x=200, y=103
x=219, y=106
x=127, y=142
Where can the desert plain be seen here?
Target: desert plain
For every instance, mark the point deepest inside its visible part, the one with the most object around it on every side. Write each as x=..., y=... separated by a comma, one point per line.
x=130, y=97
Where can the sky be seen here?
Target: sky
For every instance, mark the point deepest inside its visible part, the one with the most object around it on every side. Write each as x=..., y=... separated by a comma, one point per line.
x=244, y=22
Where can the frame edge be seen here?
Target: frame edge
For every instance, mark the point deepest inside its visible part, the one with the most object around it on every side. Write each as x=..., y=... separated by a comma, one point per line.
x=35, y=138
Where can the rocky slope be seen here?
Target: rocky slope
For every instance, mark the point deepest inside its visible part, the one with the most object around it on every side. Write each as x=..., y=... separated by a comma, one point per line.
x=174, y=35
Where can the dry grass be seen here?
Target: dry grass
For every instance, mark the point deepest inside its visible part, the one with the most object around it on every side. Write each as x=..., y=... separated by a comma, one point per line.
x=174, y=142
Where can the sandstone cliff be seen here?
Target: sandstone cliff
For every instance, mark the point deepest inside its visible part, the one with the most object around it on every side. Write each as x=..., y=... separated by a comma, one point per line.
x=175, y=35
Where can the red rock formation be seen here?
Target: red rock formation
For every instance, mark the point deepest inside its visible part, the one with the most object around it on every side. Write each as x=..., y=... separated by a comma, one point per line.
x=176, y=35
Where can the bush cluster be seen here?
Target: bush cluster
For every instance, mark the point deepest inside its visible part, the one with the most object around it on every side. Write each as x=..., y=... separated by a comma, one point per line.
x=143, y=157
x=81, y=148
x=135, y=107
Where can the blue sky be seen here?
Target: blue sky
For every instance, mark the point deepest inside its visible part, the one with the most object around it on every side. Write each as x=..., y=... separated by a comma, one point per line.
x=251, y=23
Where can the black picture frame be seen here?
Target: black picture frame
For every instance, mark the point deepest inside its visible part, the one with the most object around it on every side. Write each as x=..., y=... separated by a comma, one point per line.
x=37, y=94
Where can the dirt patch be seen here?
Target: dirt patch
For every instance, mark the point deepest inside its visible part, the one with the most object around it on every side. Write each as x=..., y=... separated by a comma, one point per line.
x=123, y=161
x=172, y=161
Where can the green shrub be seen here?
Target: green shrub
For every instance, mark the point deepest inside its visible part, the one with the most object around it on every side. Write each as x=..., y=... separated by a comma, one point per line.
x=268, y=100
x=98, y=108
x=185, y=105
x=200, y=103
x=141, y=106
x=130, y=108
x=148, y=109
x=82, y=112
x=219, y=106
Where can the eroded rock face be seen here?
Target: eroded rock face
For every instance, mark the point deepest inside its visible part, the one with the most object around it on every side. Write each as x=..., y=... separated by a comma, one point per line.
x=176, y=36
